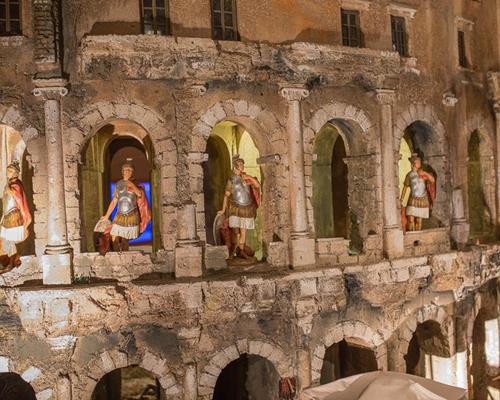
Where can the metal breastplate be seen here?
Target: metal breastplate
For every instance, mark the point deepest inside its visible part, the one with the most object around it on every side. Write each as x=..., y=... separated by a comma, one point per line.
x=241, y=194
x=417, y=185
x=127, y=201
x=9, y=203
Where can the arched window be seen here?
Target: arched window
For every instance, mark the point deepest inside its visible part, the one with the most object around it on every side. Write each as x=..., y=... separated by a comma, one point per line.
x=103, y=157
x=224, y=23
x=248, y=377
x=227, y=140
x=330, y=184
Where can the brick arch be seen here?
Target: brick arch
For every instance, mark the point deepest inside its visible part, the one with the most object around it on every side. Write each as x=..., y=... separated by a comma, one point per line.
x=484, y=126
x=111, y=360
x=357, y=330
x=267, y=134
x=14, y=118
x=405, y=332
x=271, y=352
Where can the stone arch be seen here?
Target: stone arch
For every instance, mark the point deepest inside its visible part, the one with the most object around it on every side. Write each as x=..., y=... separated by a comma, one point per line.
x=111, y=360
x=358, y=132
x=32, y=375
x=13, y=117
x=271, y=352
x=405, y=332
x=82, y=127
x=266, y=132
x=350, y=331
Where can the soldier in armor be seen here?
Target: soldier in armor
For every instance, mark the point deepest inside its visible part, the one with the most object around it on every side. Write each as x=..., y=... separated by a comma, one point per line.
x=16, y=218
x=133, y=212
x=422, y=186
x=241, y=200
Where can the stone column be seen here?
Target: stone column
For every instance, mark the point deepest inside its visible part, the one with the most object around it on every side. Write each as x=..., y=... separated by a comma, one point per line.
x=57, y=259
x=496, y=108
x=302, y=247
x=188, y=250
x=392, y=230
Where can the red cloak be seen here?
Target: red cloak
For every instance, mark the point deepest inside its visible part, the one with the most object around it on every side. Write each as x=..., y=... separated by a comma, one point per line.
x=18, y=193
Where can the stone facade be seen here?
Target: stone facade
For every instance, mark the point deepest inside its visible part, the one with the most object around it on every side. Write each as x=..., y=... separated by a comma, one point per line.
x=71, y=316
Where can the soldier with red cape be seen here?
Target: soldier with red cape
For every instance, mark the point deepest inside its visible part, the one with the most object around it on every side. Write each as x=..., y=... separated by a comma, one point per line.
x=241, y=200
x=16, y=218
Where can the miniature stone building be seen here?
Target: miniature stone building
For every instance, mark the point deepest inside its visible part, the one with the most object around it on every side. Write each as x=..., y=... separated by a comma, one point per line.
x=326, y=101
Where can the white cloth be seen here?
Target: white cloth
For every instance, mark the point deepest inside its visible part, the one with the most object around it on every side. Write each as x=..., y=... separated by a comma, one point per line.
x=417, y=212
x=13, y=234
x=242, y=223
x=130, y=232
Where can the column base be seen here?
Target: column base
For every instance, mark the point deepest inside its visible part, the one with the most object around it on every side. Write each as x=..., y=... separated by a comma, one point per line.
x=302, y=252
x=394, y=244
x=58, y=249
x=57, y=269
x=188, y=261
x=459, y=233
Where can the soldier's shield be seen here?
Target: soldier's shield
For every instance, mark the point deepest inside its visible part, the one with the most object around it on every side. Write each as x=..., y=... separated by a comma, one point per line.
x=218, y=223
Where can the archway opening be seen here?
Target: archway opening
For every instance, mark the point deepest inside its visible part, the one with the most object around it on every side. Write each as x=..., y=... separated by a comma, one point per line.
x=418, y=139
x=347, y=358
x=428, y=352
x=479, y=168
x=485, y=355
x=227, y=140
x=249, y=377
x=13, y=148
x=129, y=383
x=330, y=184
x=13, y=387
x=103, y=157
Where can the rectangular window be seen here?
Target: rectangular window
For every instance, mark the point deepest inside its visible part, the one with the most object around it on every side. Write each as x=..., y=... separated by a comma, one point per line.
x=224, y=23
x=10, y=17
x=399, y=41
x=351, y=32
x=462, y=56
x=155, y=17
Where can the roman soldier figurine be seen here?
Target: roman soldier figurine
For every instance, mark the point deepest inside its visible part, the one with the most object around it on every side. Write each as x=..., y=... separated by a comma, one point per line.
x=422, y=186
x=241, y=200
x=16, y=218
x=132, y=216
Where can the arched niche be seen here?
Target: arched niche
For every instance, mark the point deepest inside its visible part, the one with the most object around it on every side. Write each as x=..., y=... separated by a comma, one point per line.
x=13, y=148
x=102, y=158
x=330, y=184
x=427, y=349
x=347, y=358
x=131, y=382
x=419, y=138
x=248, y=377
x=480, y=188
x=227, y=139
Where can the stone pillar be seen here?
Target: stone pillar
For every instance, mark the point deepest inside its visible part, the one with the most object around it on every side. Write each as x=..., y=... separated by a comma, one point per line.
x=188, y=250
x=302, y=247
x=392, y=230
x=496, y=108
x=459, y=226
x=57, y=260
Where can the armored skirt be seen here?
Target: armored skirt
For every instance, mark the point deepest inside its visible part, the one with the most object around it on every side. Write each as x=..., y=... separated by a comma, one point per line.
x=241, y=216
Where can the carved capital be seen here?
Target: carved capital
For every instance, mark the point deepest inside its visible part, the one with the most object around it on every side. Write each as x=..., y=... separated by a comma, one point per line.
x=50, y=89
x=449, y=99
x=385, y=96
x=294, y=93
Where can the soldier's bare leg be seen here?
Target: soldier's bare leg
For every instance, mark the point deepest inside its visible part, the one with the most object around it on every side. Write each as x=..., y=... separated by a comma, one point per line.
x=243, y=239
x=411, y=223
x=418, y=224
